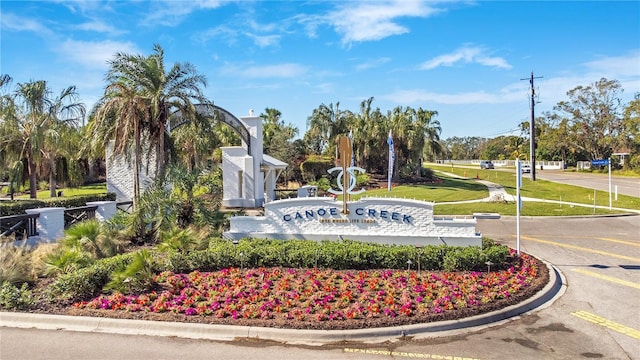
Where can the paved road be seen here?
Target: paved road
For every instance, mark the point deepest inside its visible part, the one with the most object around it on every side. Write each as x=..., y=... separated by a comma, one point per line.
x=597, y=317
x=626, y=185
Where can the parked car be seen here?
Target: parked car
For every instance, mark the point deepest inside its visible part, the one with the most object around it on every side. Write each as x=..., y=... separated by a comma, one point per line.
x=486, y=164
x=525, y=168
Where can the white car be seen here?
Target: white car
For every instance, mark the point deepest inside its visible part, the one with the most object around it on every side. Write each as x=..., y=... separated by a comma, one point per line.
x=525, y=168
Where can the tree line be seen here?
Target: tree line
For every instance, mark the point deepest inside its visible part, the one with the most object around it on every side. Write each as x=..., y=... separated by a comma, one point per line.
x=44, y=136
x=593, y=123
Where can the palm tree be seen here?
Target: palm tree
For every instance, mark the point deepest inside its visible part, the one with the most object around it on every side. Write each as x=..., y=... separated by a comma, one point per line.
x=165, y=92
x=325, y=123
x=139, y=100
x=32, y=119
x=429, y=130
x=119, y=116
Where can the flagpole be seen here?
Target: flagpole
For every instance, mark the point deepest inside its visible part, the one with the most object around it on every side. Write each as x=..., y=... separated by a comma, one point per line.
x=391, y=159
x=389, y=174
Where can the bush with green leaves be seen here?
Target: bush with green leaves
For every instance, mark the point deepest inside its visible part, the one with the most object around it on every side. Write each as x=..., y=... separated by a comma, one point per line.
x=15, y=298
x=344, y=254
x=65, y=260
x=136, y=276
x=183, y=240
x=83, y=243
x=86, y=282
x=18, y=207
x=90, y=236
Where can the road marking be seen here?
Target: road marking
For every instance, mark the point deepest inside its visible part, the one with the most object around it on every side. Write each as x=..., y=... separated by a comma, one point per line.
x=619, y=241
x=607, y=323
x=608, y=278
x=406, y=354
x=605, y=253
x=577, y=237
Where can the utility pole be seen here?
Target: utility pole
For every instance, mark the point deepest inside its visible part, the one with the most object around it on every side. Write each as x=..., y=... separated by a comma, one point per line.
x=532, y=128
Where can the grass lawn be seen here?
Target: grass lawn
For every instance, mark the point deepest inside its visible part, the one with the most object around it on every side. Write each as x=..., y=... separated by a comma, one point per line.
x=542, y=189
x=83, y=190
x=451, y=189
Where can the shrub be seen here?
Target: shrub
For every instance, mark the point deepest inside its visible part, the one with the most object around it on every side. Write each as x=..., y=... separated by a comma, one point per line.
x=176, y=239
x=18, y=207
x=15, y=298
x=89, y=236
x=346, y=254
x=86, y=282
x=315, y=166
x=66, y=260
x=432, y=257
x=84, y=243
x=136, y=276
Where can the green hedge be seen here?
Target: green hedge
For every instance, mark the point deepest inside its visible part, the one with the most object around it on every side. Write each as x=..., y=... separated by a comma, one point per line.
x=18, y=207
x=339, y=255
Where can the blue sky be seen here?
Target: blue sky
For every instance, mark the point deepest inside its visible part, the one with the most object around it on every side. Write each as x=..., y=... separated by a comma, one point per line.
x=463, y=59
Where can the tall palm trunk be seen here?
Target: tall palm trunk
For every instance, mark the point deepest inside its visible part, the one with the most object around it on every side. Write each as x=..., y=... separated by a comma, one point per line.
x=52, y=177
x=160, y=153
x=136, y=167
x=33, y=179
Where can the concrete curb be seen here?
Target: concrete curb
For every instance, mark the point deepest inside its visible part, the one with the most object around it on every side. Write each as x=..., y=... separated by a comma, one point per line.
x=544, y=297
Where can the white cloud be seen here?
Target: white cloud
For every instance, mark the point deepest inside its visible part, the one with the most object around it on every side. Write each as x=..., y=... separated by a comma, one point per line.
x=231, y=36
x=94, y=54
x=616, y=66
x=417, y=96
x=172, y=13
x=372, y=63
x=223, y=32
x=12, y=22
x=322, y=88
x=264, y=40
x=288, y=70
x=99, y=27
x=368, y=21
x=466, y=54
x=553, y=88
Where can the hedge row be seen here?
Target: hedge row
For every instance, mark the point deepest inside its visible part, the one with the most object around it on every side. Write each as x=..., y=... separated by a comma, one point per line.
x=340, y=255
x=18, y=207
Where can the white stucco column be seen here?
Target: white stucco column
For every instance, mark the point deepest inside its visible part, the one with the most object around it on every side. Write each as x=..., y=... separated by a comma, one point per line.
x=270, y=186
x=254, y=125
x=106, y=209
x=50, y=222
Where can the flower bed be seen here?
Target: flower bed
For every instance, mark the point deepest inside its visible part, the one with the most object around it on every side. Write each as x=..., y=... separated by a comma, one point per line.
x=322, y=298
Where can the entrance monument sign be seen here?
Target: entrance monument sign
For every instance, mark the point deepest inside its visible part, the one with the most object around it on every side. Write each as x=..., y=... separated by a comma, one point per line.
x=380, y=220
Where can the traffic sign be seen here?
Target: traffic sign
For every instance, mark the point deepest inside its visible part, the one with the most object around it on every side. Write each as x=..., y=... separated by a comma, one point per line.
x=600, y=162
